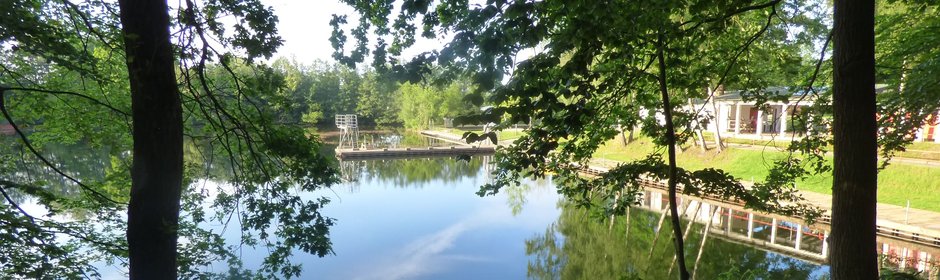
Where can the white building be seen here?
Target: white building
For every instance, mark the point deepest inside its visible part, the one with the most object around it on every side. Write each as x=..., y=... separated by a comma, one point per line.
x=742, y=119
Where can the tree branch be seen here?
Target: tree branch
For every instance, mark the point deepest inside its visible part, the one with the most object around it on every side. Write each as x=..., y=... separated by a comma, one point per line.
x=6, y=115
x=729, y=14
x=673, y=170
x=92, y=99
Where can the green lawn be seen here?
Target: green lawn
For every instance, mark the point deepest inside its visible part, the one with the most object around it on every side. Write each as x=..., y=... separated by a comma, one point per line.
x=897, y=184
x=917, y=150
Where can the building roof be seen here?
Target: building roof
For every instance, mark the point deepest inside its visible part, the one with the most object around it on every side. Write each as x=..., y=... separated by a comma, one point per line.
x=789, y=93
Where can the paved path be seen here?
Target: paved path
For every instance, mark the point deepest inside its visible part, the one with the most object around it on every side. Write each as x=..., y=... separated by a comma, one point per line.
x=923, y=222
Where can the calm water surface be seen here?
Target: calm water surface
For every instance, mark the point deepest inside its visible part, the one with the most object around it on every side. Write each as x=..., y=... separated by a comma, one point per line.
x=421, y=219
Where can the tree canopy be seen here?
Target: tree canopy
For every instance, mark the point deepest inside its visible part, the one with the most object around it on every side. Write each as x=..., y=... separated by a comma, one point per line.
x=598, y=65
x=66, y=79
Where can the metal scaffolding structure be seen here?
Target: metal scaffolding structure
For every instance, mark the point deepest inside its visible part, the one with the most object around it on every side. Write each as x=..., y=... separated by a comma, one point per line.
x=349, y=126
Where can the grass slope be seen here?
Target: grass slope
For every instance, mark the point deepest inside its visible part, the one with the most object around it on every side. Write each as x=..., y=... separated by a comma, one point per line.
x=897, y=184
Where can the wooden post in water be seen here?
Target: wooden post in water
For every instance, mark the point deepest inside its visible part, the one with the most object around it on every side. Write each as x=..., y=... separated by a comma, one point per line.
x=773, y=231
x=799, y=237
x=616, y=202
x=730, y=219
x=750, y=225
x=626, y=235
x=659, y=229
x=685, y=235
x=701, y=248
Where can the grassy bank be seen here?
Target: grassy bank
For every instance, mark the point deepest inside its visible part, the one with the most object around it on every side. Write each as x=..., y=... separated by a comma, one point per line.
x=897, y=184
x=916, y=150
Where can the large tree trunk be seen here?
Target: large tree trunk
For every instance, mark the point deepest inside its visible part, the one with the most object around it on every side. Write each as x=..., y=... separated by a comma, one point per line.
x=671, y=143
x=157, y=172
x=853, y=252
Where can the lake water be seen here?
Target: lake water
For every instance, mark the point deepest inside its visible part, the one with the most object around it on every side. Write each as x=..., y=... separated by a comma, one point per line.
x=421, y=219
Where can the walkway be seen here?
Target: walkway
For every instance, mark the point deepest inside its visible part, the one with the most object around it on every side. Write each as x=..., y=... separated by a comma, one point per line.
x=892, y=219
x=458, y=139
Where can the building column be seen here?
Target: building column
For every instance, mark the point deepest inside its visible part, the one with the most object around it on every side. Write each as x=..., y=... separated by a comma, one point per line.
x=783, y=119
x=721, y=118
x=737, y=119
x=903, y=260
x=760, y=122
x=936, y=130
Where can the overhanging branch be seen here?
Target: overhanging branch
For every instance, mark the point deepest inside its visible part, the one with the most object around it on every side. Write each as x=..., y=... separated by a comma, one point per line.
x=6, y=115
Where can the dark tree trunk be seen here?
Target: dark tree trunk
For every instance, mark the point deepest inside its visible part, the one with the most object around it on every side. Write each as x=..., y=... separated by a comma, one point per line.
x=853, y=252
x=623, y=136
x=157, y=172
x=671, y=143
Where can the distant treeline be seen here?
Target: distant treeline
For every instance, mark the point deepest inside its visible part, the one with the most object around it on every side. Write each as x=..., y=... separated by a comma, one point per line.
x=314, y=93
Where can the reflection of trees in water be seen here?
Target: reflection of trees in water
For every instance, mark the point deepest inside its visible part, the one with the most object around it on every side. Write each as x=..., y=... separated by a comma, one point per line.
x=390, y=139
x=80, y=161
x=102, y=167
x=412, y=172
x=580, y=246
x=516, y=195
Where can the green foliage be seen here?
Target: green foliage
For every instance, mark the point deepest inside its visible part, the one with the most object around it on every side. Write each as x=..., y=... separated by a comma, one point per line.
x=379, y=99
x=418, y=106
x=422, y=105
x=314, y=94
x=593, y=71
x=64, y=83
x=890, y=274
x=908, y=58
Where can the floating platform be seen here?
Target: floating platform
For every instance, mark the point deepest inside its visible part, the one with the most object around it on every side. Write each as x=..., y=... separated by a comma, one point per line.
x=412, y=152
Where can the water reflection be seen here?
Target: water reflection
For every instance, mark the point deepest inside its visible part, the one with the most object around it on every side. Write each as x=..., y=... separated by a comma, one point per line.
x=391, y=139
x=727, y=242
x=421, y=219
x=79, y=161
x=578, y=246
x=412, y=172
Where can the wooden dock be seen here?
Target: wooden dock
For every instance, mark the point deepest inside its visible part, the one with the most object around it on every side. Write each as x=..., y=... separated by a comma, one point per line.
x=448, y=137
x=347, y=154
